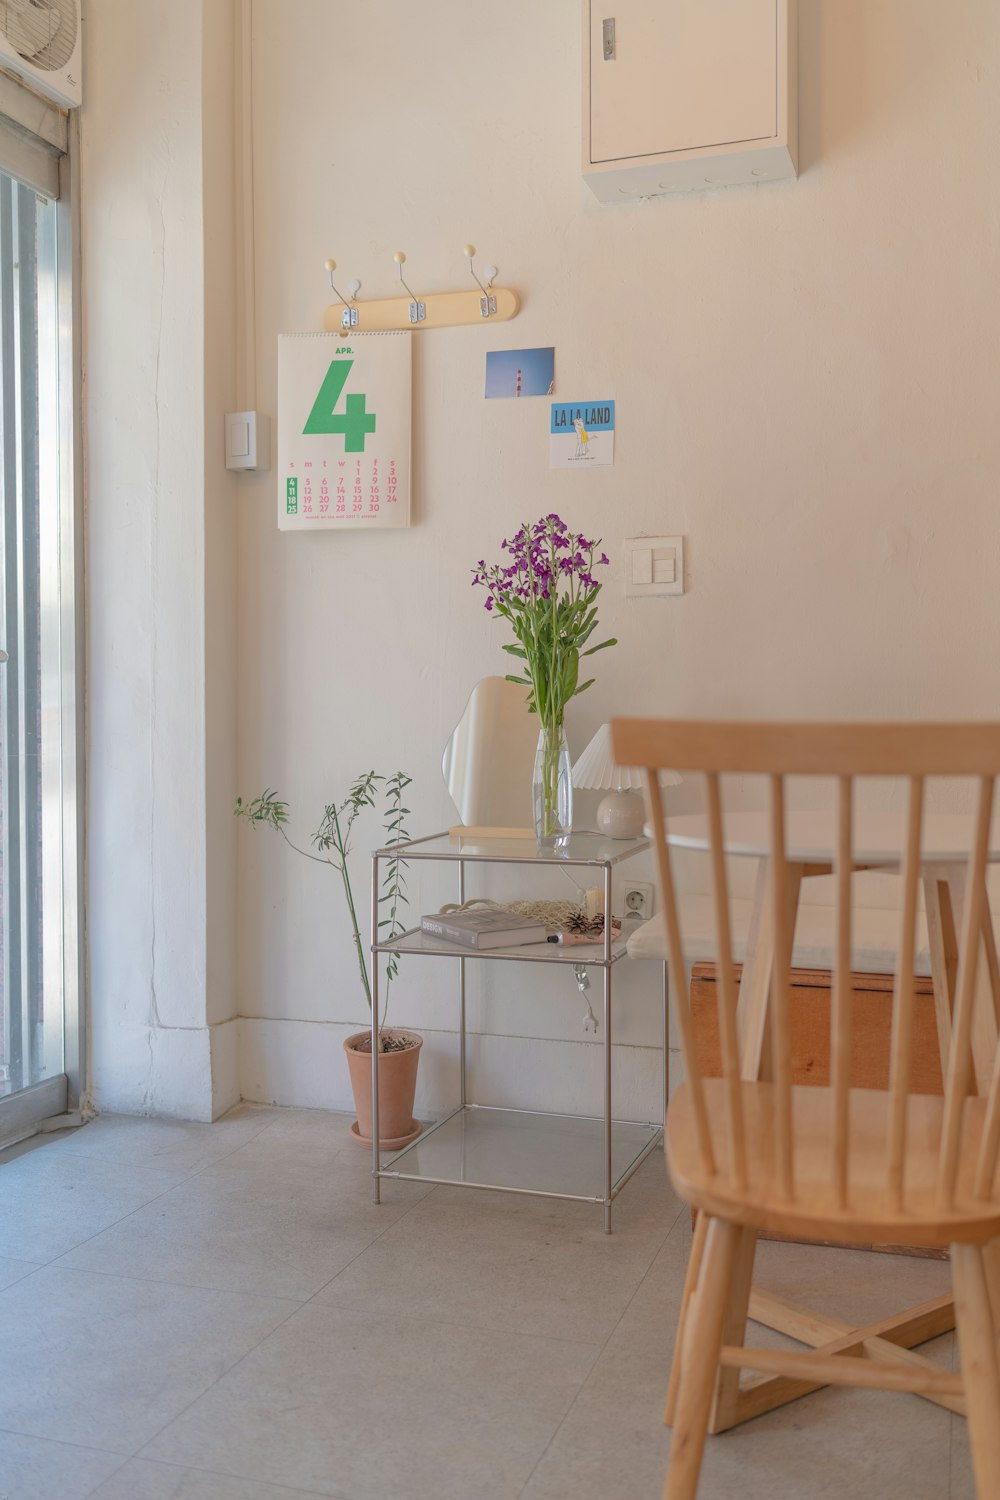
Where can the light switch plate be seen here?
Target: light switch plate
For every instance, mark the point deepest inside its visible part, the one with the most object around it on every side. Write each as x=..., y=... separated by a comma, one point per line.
x=654, y=565
x=248, y=440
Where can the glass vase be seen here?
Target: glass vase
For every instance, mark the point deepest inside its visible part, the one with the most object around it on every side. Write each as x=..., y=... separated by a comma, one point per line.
x=553, y=788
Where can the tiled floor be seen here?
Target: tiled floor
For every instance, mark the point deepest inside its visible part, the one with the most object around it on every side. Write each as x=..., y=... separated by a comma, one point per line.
x=218, y=1312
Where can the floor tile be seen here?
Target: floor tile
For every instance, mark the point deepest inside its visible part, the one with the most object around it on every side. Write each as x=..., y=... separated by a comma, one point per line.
x=51, y=1202
x=267, y=1152
x=13, y=1270
x=525, y=1265
x=31, y=1143
x=963, y=1485
x=613, y=1440
x=833, y=1444
x=33, y=1469
x=346, y=1403
x=177, y=1145
x=141, y=1480
x=858, y=1286
x=483, y=1372
x=106, y=1360
x=270, y=1227
x=311, y=1127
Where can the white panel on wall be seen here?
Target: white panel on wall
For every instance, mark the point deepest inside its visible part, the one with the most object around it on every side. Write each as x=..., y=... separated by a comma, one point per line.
x=690, y=94
x=687, y=74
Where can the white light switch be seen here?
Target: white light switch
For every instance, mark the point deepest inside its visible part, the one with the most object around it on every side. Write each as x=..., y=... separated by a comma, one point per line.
x=642, y=565
x=239, y=437
x=654, y=565
x=248, y=440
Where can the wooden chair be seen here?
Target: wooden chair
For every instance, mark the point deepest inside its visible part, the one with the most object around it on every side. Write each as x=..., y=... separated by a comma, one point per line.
x=835, y=1163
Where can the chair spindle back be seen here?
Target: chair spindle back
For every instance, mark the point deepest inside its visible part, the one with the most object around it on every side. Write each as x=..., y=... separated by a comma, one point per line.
x=845, y=753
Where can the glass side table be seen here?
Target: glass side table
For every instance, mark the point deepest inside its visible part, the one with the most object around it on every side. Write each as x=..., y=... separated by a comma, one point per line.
x=588, y=1158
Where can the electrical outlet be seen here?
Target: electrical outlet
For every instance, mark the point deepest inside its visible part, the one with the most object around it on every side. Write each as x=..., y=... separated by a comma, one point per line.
x=638, y=900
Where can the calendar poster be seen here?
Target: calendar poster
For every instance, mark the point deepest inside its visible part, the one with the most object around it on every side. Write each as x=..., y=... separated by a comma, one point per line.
x=343, y=431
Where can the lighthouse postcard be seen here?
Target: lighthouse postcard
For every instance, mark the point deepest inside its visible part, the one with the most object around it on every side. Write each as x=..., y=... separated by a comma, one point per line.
x=520, y=372
x=582, y=434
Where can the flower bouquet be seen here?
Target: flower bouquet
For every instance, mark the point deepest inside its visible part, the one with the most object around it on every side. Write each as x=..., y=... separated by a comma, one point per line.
x=547, y=591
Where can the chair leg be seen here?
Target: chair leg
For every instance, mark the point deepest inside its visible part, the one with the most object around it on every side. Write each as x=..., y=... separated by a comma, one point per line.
x=690, y=1282
x=700, y=1356
x=977, y=1349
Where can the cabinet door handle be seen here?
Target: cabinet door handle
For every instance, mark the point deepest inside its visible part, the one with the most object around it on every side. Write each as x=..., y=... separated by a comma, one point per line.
x=609, y=39
x=3, y=657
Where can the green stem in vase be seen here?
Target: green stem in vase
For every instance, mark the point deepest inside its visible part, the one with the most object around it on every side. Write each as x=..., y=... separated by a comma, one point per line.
x=552, y=737
x=547, y=592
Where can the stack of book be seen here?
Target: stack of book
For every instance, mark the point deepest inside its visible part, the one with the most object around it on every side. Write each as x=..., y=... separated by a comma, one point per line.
x=483, y=929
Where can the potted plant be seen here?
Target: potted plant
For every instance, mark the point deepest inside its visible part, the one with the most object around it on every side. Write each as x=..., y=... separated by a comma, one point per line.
x=548, y=594
x=399, y=1051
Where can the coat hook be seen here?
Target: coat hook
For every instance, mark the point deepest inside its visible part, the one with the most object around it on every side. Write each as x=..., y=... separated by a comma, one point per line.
x=487, y=303
x=349, y=315
x=418, y=310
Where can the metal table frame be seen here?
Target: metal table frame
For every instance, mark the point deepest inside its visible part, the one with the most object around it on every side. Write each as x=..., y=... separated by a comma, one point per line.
x=603, y=958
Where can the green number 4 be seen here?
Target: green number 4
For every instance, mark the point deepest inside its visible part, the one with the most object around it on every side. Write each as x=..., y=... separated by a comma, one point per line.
x=354, y=422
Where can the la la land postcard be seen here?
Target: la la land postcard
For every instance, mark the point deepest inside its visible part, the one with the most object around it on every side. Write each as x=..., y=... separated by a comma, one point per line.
x=582, y=434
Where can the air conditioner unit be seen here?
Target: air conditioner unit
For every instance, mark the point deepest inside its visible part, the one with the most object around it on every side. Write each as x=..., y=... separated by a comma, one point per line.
x=40, y=41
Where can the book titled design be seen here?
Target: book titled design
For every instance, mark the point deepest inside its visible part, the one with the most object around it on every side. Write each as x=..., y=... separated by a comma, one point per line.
x=483, y=929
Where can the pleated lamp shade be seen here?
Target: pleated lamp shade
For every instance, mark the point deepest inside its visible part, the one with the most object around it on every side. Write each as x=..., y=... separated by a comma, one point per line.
x=620, y=814
x=597, y=771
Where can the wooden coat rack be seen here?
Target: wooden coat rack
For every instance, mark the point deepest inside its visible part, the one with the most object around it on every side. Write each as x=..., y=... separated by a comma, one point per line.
x=485, y=304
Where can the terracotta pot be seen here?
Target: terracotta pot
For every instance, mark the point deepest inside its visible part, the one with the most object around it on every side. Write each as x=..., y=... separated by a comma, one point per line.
x=397, y=1085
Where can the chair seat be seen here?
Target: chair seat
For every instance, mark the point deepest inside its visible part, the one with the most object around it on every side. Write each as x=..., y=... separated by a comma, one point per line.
x=814, y=1212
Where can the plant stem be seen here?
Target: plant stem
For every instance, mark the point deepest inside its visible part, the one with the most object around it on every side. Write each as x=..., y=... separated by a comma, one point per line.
x=350, y=906
x=551, y=735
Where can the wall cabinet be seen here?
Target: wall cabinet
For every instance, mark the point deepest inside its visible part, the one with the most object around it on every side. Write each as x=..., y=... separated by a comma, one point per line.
x=685, y=94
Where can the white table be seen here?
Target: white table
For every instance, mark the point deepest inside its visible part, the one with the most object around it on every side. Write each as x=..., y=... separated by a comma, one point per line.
x=878, y=836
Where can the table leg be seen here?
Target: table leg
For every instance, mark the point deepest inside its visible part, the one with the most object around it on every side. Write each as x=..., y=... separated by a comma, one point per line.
x=943, y=943
x=727, y=1392
x=984, y=1025
x=752, y=1007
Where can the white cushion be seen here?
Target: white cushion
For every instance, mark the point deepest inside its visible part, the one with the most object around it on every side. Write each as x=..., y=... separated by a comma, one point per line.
x=873, y=949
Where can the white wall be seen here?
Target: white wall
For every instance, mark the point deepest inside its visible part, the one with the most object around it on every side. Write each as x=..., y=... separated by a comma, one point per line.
x=805, y=377
x=160, y=591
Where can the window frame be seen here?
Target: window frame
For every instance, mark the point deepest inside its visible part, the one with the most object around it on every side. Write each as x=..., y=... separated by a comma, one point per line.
x=30, y=158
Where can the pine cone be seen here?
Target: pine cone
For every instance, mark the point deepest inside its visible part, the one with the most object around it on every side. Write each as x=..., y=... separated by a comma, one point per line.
x=580, y=922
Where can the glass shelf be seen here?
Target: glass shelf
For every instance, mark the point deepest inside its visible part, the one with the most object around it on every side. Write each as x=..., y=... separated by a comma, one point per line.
x=559, y=1156
x=583, y=849
x=509, y=1150
x=416, y=941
